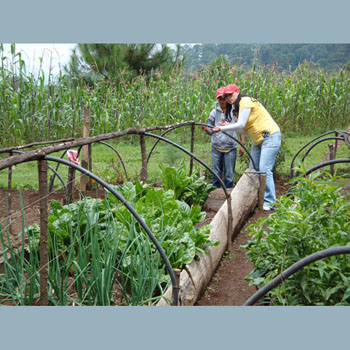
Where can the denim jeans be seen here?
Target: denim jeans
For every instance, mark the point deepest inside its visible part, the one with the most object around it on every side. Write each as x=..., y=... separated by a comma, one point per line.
x=264, y=156
x=223, y=162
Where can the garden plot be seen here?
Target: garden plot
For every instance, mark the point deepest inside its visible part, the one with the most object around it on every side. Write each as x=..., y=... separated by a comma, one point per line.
x=219, y=224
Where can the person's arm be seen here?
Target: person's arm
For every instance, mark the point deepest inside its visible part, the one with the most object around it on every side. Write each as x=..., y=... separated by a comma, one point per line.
x=211, y=122
x=240, y=124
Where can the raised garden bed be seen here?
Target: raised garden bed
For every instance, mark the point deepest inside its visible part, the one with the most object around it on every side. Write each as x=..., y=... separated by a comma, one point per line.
x=196, y=276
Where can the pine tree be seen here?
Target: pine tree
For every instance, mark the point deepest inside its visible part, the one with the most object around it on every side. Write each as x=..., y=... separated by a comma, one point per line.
x=117, y=62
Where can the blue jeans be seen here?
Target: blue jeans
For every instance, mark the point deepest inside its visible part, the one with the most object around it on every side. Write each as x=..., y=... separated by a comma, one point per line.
x=264, y=156
x=223, y=162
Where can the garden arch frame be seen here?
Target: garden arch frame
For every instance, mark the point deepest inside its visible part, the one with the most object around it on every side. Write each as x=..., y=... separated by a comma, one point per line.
x=294, y=268
x=43, y=155
x=344, y=136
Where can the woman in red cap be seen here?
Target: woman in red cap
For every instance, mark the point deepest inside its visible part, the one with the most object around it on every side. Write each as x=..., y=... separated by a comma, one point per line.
x=223, y=147
x=257, y=122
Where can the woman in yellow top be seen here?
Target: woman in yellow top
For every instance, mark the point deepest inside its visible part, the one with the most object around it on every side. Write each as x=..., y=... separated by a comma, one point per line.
x=255, y=120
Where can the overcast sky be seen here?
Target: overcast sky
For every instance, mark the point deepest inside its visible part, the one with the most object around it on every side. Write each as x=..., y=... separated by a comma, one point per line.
x=53, y=55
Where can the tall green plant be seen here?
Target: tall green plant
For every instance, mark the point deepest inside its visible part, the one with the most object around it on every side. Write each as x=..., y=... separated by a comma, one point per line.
x=314, y=217
x=306, y=100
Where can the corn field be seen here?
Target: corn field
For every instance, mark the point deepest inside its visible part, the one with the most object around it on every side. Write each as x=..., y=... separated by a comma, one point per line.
x=39, y=108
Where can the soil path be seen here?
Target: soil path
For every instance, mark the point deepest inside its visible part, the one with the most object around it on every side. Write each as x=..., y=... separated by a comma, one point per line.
x=228, y=285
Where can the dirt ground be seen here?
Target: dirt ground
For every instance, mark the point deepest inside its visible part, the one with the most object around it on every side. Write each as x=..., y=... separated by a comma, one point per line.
x=28, y=201
x=227, y=287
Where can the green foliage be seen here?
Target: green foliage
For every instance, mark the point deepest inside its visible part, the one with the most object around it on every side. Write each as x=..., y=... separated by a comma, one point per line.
x=117, y=63
x=100, y=254
x=316, y=216
x=194, y=189
x=38, y=108
x=170, y=220
x=285, y=56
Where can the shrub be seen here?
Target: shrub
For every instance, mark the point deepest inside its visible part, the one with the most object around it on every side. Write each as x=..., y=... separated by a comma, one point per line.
x=315, y=216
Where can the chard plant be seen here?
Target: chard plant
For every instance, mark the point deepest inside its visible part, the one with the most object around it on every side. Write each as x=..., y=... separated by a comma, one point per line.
x=193, y=190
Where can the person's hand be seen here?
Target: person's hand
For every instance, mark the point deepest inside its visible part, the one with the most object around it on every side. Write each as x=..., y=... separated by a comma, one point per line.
x=205, y=129
x=216, y=129
x=224, y=122
x=241, y=151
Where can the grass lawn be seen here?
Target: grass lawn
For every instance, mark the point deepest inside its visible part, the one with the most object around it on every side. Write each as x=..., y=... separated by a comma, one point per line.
x=106, y=164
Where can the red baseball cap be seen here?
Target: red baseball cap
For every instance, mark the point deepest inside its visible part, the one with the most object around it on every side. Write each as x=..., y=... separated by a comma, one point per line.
x=220, y=92
x=229, y=89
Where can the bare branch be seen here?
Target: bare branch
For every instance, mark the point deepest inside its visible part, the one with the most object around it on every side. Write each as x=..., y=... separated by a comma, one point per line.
x=40, y=153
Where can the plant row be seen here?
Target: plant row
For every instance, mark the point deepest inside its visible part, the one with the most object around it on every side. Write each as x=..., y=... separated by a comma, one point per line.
x=315, y=215
x=100, y=255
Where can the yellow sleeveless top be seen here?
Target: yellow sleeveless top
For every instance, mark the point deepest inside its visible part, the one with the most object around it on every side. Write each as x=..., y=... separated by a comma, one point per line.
x=259, y=119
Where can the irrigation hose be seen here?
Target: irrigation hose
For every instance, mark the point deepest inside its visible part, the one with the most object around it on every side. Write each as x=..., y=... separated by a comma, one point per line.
x=318, y=166
x=55, y=173
x=343, y=133
x=162, y=134
x=318, y=142
x=294, y=268
x=209, y=126
x=192, y=155
x=115, y=151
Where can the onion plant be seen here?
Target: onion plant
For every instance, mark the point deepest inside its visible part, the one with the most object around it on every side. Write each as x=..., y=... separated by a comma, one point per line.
x=19, y=284
x=99, y=253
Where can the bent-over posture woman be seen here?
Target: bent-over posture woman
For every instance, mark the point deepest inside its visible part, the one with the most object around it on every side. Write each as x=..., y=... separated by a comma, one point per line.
x=256, y=121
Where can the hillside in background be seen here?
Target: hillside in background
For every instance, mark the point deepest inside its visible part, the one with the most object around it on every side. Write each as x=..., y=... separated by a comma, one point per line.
x=286, y=56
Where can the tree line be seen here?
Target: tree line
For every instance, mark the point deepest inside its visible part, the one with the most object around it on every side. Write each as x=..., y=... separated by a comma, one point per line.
x=120, y=62
x=117, y=63
x=285, y=56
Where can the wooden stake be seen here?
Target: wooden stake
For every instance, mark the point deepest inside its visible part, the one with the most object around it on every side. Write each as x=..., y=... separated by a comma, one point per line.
x=262, y=178
x=70, y=186
x=85, y=149
x=89, y=183
x=177, y=273
x=332, y=150
x=44, y=246
x=192, y=148
x=143, y=173
x=229, y=223
x=9, y=196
